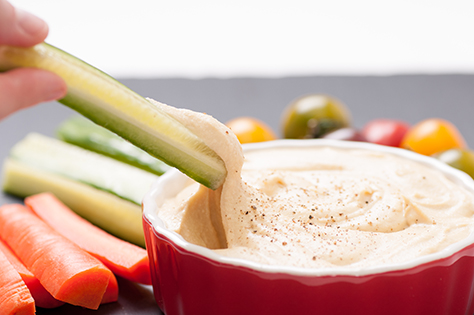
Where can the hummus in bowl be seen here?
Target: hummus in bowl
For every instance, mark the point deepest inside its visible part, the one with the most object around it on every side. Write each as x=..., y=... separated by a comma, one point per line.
x=315, y=226
x=334, y=207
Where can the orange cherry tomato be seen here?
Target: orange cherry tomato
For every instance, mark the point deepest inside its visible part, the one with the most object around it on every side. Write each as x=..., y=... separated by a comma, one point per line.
x=249, y=129
x=433, y=135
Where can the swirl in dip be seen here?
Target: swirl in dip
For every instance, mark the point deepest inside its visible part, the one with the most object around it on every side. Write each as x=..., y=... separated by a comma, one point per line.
x=317, y=207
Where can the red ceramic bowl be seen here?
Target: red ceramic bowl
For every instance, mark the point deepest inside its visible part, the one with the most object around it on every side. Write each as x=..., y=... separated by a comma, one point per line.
x=190, y=279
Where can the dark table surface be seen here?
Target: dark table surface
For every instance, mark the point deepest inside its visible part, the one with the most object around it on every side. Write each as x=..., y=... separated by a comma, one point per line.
x=408, y=97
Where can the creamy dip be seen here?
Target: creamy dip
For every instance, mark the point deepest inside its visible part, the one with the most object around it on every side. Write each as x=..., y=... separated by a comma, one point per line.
x=318, y=207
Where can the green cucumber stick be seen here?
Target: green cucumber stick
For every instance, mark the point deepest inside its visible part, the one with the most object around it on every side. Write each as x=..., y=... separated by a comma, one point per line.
x=112, y=105
x=84, y=133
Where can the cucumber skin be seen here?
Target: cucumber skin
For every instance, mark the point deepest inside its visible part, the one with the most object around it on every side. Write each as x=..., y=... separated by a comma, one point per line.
x=110, y=104
x=117, y=216
x=75, y=163
x=88, y=135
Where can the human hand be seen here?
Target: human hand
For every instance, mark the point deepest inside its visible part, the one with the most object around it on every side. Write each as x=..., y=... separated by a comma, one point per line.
x=24, y=87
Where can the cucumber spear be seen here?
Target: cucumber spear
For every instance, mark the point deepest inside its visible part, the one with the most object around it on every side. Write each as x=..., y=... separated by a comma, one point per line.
x=112, y=105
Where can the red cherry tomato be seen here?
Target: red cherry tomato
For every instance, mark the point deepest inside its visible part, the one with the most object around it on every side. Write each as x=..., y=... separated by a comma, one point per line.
x=433, y=135
x=388, y=132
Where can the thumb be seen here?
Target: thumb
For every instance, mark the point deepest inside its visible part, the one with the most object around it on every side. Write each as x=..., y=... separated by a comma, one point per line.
x=25, y=87
x=20, y=28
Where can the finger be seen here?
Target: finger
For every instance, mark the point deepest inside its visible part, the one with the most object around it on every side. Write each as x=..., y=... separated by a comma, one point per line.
x=24, y=87
x=20, y=28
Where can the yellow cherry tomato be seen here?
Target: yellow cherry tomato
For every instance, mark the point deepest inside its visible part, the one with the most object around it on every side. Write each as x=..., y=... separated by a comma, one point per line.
x=248, y=129
x=433, y=135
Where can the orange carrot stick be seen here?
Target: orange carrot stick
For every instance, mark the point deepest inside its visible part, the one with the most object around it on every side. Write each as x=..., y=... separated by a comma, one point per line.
x=124, y=259
x=64, y=269
x=15, y=298
x=111, y=294
x=40, y=295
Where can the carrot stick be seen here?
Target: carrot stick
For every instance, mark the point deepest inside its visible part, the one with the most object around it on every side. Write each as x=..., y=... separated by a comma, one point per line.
x=64, y=269
x=15, y=298
x=112, y=291
x=124, y=259
x=40, y=295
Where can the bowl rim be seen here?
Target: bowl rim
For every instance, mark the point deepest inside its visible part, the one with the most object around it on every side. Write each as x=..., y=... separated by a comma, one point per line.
x=173, y=180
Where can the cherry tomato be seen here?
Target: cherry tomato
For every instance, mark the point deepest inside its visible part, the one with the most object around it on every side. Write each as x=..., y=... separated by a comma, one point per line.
x=249, y=129
x=388, y=132
x=458, y=158
x=433, y=135
x=348, y=134
x=313, y=116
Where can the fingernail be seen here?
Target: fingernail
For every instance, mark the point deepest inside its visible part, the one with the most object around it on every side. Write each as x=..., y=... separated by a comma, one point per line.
x=30, y=23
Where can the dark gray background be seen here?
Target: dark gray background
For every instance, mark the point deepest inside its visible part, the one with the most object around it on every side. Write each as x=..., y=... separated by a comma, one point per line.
x=407, y=97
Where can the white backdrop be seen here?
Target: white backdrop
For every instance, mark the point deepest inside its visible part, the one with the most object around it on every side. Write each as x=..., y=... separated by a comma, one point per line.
x=218, y=38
